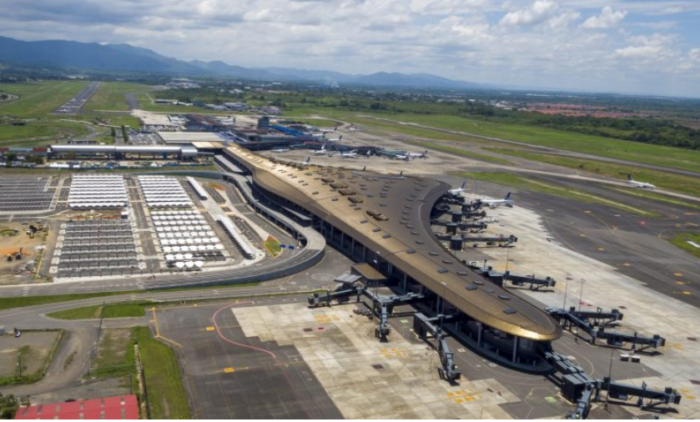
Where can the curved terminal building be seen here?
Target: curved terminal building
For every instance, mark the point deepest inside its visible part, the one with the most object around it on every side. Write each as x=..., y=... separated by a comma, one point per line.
x=385, y=221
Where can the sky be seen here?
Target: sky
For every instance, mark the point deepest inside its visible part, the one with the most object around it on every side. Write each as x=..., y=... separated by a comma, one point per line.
x=623, y=46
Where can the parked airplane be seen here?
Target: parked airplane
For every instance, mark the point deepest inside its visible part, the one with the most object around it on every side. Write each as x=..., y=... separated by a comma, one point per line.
x=280, y=150
x=351, y=154
x=321, y=151
x=493, y=203
x=423, y=154
x=401, y=157
x=642, y=185
x=458, y=191
x=338, y=139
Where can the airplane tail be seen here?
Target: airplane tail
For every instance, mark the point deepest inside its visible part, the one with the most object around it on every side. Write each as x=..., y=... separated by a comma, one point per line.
x=308, y=160
x=340, y=138
x=507, y=196
x=464, y=184
x=425, y=153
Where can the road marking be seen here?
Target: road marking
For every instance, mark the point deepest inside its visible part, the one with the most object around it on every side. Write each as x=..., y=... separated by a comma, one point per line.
x=680, y=283
x=678, y=274
x=229, y=370
x=211, y=328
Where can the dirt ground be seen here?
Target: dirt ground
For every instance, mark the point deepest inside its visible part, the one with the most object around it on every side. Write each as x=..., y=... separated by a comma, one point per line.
x=34, y=347
x=11, y=243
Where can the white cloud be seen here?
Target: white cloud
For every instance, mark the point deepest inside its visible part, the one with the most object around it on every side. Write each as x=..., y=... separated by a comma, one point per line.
x=542, y=43
x=608, y=18
x=538, y=12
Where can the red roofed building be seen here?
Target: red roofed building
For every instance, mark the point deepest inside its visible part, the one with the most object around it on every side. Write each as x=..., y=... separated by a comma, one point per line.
x=123, y=407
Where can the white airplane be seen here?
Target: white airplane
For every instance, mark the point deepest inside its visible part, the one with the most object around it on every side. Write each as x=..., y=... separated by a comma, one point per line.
x=338, y=139
x=458, y=191
x=493, y=203
x=351, y=154
x=642, y=185
x=280, y=150
x=320, y=151
x=401, y=157
x=423, y=154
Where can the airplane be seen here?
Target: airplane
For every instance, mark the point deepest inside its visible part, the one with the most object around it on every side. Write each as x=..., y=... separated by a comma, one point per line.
x=308, y=161
x=321, y=151
x=423, y=154
x=280, y=150
x=459, y=190
x=493, y=203
x=351, y=154
x=338, y=139
x=401, y=157
x=642, y=185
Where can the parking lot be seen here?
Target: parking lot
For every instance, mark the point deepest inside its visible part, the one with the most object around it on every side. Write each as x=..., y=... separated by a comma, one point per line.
x=26, y=194
x=96, y=248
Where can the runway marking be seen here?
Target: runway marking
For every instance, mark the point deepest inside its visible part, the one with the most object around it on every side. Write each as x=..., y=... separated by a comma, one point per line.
x=627, y=264
x=601, y=249
x=158, y=335
x=211, y=328
x=229, y=370
x=678, y=274
x=680, y=283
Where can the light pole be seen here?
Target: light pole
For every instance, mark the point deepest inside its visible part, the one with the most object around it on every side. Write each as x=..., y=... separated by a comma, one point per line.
x=580, y=299
x=507, y=258
x=566, y=292
x=607, y=394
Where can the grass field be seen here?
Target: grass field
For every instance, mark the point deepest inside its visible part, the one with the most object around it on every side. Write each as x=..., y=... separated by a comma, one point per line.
x=115, y=354
x=39, y=98
x=112, y=96
x=520, y=182
x=669, y=181
x=461, y=152
x=112, y=310
x=681, y=240
x=595, y=145
x=47, y=132
x=166, y=395
x=318, y=122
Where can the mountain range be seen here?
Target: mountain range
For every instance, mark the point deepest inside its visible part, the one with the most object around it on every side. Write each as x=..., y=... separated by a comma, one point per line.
x=75, y=55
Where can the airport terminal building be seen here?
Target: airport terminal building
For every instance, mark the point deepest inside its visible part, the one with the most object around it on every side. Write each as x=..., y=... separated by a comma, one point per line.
x=384, y=221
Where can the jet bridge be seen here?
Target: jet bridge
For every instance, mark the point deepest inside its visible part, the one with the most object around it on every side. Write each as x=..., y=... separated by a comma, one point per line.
x=499, y=278
x=595, y=324
x=424, y=327
x=581, y=389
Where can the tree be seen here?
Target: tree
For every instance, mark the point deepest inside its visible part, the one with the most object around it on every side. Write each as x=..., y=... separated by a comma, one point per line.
x=8, y=407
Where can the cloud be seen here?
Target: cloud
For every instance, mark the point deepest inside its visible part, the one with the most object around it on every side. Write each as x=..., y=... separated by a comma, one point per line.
x=608, y=18
x=543, y=43
x=538, y=12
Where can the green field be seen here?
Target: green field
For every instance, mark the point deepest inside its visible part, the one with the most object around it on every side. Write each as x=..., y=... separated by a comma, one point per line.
x=606, y=147
x=537, y=136
x=681, y=240
x=39, y=98
x=166, y=394
x=115, y=354
x=461, y=152
x=112, y=310
x=521, y=182
x=39, y=132
x=112, y=96
x=669, y=181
